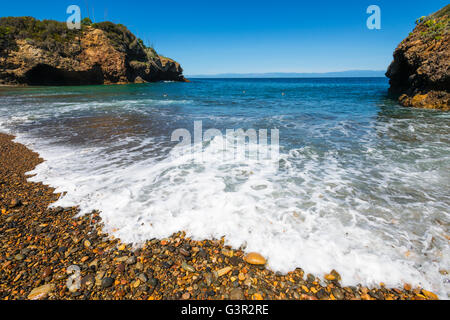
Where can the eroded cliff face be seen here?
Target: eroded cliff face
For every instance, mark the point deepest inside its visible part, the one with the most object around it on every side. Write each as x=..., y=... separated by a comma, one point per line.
x=420, y=72
x=98, y=54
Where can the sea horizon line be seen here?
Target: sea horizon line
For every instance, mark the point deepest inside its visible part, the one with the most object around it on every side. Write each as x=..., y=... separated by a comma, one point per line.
x=333, y=74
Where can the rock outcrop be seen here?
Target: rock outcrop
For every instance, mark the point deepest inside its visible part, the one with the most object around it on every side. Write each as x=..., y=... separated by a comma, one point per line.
x=420, y=72
x=34, y=52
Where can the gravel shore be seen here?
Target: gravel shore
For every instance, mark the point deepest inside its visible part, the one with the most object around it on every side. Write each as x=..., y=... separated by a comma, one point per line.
x=53, y=254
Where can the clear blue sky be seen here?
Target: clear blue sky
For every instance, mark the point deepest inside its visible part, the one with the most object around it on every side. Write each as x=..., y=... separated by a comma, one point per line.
x=231, y=36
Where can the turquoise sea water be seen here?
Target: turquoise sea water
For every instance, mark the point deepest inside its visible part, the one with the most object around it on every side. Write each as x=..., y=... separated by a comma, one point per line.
x=361, y=184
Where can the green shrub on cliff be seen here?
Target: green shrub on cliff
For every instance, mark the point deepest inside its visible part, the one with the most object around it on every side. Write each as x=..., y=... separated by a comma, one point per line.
x=441, y=13
x=55, y=36
x=435, y=29
x=86, y=22
x=420, y=20
x=6, y=39
x=435, y=25
x=46, y=34
x=28, y=27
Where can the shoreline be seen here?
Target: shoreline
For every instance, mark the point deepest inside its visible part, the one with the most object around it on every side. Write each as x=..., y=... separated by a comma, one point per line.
x=89, y=85
x=39, y=245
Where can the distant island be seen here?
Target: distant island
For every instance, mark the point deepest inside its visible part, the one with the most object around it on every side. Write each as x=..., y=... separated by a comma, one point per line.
x=338, y=74
x=34, y=52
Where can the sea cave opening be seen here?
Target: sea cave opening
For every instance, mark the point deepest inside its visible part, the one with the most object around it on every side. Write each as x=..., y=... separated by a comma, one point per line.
x=45, y=75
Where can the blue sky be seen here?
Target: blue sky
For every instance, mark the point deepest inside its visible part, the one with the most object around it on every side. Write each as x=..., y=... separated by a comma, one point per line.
x=209, y=37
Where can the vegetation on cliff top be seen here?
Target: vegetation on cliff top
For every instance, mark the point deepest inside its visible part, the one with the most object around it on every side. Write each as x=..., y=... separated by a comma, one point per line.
x=419, y=73
x=55, y=36
x=441, y=13
x=46, y=34
x=435, y=25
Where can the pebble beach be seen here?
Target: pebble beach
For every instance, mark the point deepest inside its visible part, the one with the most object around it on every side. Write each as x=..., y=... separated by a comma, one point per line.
x=40, y=247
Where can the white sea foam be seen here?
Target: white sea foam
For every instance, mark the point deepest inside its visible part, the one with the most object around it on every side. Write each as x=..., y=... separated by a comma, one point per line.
x=375, y=213
x=28, y=113
x=312, y=212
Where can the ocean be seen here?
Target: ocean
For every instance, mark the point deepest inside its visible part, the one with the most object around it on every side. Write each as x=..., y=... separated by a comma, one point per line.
x=359, y=184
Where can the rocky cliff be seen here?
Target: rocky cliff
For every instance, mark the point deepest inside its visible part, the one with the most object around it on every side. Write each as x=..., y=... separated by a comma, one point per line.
x=34, y=52
x=420, y=72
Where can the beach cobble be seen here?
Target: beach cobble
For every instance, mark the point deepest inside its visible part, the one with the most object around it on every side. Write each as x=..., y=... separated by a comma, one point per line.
x=52, y=253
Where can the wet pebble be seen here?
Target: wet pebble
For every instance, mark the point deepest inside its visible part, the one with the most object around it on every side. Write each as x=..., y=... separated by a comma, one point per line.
x=131, y=260
x=107, y=282
x=237, y=294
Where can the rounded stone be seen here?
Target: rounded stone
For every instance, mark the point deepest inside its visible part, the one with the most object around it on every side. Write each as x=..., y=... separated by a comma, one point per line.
x=186, y=296
x=255, y=259
x=236, y=294
x=131, y=260
x=107, y=282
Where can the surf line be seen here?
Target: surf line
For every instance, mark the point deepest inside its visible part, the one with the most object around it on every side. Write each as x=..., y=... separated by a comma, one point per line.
x=238, y=144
